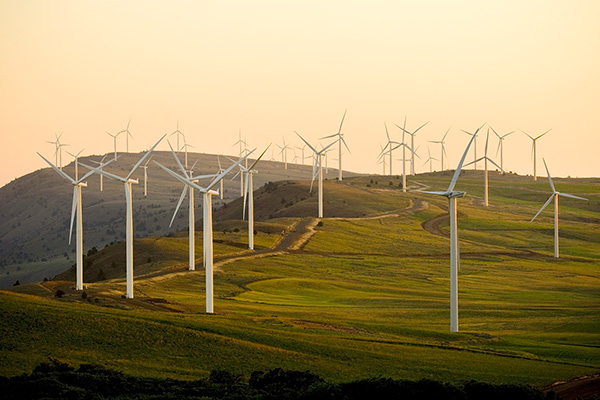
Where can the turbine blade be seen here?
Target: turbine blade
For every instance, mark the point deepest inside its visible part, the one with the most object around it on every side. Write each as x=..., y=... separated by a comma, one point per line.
x=493, y=130
x=462, y=160
x=183, y=193
x=308, y=144
x=177, y=159
x=549, y=177
x=330, y=136
x=439, y=193
x=222, y=174
x=543, y=134
x=258, y=159
x=180, y=178
x=544, y=206
x=61, y=173
x=419, y=128
x=73, y=209
x=528, y=135
x=446, y=134
x=345, y=144
x=102, y=172
x=144, y=157
x=246, y=187
x=487, y=138
x=494, y=162
x=572, y=196
x=84, y=177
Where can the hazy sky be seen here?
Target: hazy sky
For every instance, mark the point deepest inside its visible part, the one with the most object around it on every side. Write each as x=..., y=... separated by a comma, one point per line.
x=272, y=67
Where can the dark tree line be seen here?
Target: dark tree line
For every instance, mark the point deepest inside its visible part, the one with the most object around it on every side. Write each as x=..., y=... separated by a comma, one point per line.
x=57, y=380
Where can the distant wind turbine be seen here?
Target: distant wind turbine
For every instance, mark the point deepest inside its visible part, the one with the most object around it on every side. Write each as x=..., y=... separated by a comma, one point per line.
x=443, y=150
x=485, y=159
x=412, y=143
x=178, y=133
x=100, y=164
x=127, y=182
x=404, y=147
x=317, y=170
x=76, y=157
x=554, y=196
x=534, y=150
x=114, y=142
x=389, y=147
x=452, y=195
x=501, y=147
x=340, y=138
x=145, y=166
x=127, y=135
x=430, y=160
x=283, y=152
x=249, y=194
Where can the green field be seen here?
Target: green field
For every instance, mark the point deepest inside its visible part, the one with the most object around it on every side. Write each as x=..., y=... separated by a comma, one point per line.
x=366, y=296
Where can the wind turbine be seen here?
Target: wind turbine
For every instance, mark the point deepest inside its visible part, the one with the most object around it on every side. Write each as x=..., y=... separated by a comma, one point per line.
x=283, y=152
x=430, y=160
x=178, y=133
x=101, y=163
x=340, y=139
x=57, y=151
x=114, y=142
x=127, y=135
x=191, y=213
x=474, y=148
x=534, y=150
x=76, y=157
x=318, y=168
x=185, y=149
x=241, y=142
x=443, y=151
x=485, y=159
x=390, y=143
x=412, y=143
x=207, y=219
x=404, y=147
x=127, y=182
x=76, y=209
x=554, y=195
x=145, y=166
x=220, y=170
x=249, y=194
x=452, y=195
x=501, y=147
x=302, y=150
x=381, y=160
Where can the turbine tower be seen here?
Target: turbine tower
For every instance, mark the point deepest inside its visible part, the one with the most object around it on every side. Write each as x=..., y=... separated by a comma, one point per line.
x=340, y=138
x=452, y=195
x=145, y=166
x=207, y=220
x=554, y=195
x=534, y=150
x=474, y=147
x=501, y=147
x=317, y=169
x=76, y=209
x=283, y=152
x=76, y=157
x=249, y=194
x=412, y=143
x=404, y=147
x=485, y=159
x=100, y=164
x=443, y=150
x=127, y=182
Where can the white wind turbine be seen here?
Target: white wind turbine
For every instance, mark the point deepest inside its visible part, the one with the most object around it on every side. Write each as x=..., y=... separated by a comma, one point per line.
x=474, y=148
x=430, y=160
x=485, y=159
x=220, y=170
x=185, y=149
x=242, y=150
x=178, y=133
x=381, y=160
x=57, y=150
x=283, y=152
x=302, y=150
x=501, y=147
x=76, y=157
x=389, y=147
x=127, y=182
x=249, y=194
x=76, y=209
x=452, y=195
x=127, y=135
x=191, y=212
x=443, y=150
x=114, y=142
x=340, y=139
x=404, y=147
x=554, y=195
x=145, y=166
x=100, y=164
x=412, y=143
x=534, y=150
x=207, y=219
x=317, y=169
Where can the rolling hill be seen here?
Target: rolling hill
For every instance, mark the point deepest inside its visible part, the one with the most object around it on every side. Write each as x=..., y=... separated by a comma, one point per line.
x=363, y=292
x=35, y=216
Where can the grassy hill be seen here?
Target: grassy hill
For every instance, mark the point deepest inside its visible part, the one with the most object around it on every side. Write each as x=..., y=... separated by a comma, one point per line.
x=365, y=293
x=35, y=216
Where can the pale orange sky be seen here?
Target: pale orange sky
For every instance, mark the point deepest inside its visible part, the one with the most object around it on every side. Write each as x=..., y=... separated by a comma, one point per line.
x=272, y=67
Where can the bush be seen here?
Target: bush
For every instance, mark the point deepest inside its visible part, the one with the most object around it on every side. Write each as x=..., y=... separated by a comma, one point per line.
x=59, y=293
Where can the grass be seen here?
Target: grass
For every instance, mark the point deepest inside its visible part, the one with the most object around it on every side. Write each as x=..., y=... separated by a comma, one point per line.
x=365, y=297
